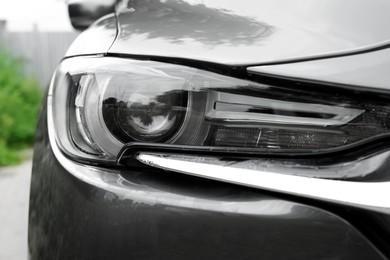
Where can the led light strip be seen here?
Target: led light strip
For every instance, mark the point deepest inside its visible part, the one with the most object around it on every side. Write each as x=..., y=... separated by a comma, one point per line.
x=370, y=195
x=338, y=115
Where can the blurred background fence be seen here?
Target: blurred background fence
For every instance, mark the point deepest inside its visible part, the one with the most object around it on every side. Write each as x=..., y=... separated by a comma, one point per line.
x=40, y=51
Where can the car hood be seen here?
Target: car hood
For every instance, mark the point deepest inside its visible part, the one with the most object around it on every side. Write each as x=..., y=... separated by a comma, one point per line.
x=250, y=32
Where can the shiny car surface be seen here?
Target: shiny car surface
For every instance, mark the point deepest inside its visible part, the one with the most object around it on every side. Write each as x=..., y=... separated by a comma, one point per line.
x=184, y=129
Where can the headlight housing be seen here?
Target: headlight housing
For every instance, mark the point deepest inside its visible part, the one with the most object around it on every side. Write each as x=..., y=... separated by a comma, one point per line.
x=101, y=105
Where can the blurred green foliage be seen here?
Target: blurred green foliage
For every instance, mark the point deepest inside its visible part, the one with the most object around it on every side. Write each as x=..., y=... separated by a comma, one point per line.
x=20, y=100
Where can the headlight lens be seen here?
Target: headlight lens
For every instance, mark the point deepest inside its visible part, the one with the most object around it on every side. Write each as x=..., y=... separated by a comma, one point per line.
x=139, y=110
x=99, y=105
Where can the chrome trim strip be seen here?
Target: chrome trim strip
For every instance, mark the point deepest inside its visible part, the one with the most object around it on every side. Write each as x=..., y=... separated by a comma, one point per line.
x=369, y=195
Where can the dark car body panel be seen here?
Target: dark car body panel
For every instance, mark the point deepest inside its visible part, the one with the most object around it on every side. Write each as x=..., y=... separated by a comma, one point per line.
x=369, y=71
x=95, y=40
x=71, y=219
x=240, y=33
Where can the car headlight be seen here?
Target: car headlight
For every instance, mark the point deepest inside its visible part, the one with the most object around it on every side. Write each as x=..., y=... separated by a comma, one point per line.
x=103, y=105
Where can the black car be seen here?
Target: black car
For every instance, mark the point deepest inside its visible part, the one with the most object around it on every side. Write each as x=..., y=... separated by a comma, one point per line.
x=186, y=129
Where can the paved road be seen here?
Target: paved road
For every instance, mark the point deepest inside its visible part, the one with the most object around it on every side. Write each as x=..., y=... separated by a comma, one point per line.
x=14, y=195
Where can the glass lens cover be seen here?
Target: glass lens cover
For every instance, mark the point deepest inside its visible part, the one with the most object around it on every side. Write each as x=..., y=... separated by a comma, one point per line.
x=101, y=104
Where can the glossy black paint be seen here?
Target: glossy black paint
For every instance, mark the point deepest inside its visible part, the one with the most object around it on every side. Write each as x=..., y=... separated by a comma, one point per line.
x=250, y=32
x=366, y=70
x=97, y=39
x=212, y=31
x=70, y=219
